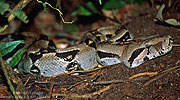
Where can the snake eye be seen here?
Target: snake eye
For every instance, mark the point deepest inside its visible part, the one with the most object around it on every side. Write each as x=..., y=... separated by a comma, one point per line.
x=35, y=70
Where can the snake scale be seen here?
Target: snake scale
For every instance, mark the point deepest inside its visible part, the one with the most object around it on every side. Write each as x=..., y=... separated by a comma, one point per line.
x=105, y=46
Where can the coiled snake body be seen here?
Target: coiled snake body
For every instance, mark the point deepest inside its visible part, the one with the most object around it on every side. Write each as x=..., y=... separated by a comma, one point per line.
x=106, y=46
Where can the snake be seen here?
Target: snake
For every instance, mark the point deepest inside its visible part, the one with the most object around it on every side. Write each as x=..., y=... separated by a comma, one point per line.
x=108, y=45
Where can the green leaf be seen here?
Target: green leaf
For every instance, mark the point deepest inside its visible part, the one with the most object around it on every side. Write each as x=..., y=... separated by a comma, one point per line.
x=45, y=7
x=5, y=48
x=16, y=58
x=3, y=7
x=83, y=11
x=172, y=22
x=140, y=2
x=3, y=28
x=134, y=1
x=130, y=1
x=70, y=28
x=21, y=15
x=100, y=2
x=118, y=4
x=114, y=4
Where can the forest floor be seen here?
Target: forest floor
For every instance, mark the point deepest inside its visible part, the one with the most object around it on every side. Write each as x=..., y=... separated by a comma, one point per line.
x=157, y=79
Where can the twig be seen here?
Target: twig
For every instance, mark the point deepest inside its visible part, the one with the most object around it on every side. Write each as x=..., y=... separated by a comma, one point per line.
x=60, y=13
x=173, y=4
x=115, y=16
x=143, y=74
x=76, y=84
x=11, y=16
x=27, y=81
x=85, y=95
x=55, y=83
x=176, y=45
x=81, y=71
x=154, y=79
x=51, y=89
x=41, y=98
x=162, y=74
x=20, y=5
x=95, y=76
x=118, y=81
x=7, y=78
x=16, y=80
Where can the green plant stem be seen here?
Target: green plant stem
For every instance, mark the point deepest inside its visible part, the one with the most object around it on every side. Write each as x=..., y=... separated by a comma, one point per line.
x=7, y=78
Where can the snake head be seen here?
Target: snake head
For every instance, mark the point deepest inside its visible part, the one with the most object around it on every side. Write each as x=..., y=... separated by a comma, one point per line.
x=159, y=46
x=138, y=53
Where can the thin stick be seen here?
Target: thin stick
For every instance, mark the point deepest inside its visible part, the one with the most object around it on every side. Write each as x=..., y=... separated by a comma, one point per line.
x=51, y=89
x=154, y=79
x=7, y=78
x=20, y=5
x=55, y=83
x=41, y=98
x=60, y=13
x=143, y=74
x=81, y=71
x=27, y=81
x=118, y=81
x=85, y=95
x=176, y=45
x=76, y=84
x=162, y=74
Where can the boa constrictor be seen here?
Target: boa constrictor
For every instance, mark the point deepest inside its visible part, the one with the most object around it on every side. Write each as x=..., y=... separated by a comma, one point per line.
x=106, y=46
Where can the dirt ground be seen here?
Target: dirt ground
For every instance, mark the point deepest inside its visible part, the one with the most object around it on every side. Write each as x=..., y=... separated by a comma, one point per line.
x=165, y=87
x=159, y=78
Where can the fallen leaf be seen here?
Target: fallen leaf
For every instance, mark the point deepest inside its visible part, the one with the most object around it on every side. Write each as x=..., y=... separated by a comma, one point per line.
x=172, y=22
x=159, y=14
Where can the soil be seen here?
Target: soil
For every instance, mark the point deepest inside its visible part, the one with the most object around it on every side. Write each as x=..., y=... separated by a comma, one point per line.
x=163, y=85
